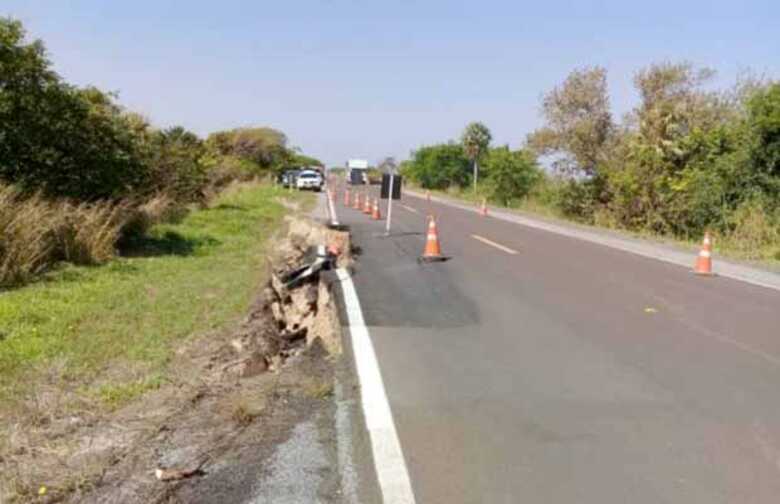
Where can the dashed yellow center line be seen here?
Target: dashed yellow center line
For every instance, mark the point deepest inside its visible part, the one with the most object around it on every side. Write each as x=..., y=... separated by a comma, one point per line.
x=494, y=244
x=413, y=210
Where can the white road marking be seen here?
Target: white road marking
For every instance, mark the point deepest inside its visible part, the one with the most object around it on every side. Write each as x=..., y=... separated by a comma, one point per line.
x=334, y=219
x=494, y=244
x=389, y=461
x=413, y=210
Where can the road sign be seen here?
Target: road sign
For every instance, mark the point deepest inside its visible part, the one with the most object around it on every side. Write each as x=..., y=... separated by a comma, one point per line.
x=391, y=184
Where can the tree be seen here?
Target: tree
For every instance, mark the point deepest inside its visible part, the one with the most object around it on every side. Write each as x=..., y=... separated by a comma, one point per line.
x=302, y=160
x=176, y=164
x=579, y=123
x=476, y=140
x=764, y=123
x=57, y=138
x=438, y=166
x=680, y=158
x=512, y=174
x=261, y=149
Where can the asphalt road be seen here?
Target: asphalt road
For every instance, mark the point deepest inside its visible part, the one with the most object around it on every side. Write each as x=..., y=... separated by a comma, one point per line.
x=533, y=367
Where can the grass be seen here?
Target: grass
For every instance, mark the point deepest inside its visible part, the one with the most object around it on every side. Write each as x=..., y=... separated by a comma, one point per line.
x=113, y=395
x=184, y=279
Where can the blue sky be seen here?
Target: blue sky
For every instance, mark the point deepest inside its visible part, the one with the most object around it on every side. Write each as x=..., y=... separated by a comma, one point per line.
x=372, y=79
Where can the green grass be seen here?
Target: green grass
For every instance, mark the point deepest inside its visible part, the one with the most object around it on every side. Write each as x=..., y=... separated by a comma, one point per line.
x=116, y=394
x=184, y=279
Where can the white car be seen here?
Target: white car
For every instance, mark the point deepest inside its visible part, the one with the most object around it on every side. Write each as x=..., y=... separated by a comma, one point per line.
x=309, y=179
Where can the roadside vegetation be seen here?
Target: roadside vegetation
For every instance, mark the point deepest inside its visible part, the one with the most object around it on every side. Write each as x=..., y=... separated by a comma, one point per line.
x=685, y=160
x=85, y=343
x=119, y=242
x=117, y=324
x=81, y=177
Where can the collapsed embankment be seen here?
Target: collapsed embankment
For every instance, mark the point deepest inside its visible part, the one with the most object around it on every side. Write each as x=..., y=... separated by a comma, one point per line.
x=211, y=431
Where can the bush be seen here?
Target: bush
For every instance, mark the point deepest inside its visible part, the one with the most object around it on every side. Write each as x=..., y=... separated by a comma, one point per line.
x=140, y=217
x=439, y=166
x=36, y=233
x=26, y=230
x=577, y=199
x=512, y=175
x=88, y=233
x=753, y=230
x=57, y=138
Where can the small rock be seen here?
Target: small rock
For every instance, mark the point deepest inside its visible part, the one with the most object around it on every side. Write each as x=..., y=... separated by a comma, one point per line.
x=246, y=368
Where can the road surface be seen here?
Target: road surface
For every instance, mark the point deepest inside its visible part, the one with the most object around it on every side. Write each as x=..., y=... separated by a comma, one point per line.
x=534, y=367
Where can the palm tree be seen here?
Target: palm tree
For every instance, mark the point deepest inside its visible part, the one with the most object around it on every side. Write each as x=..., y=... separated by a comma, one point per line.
x=475, y=139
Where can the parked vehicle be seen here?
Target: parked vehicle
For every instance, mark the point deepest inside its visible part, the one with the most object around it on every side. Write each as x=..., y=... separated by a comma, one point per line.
x=357, y=171
x=289, y=178
x=309, y=179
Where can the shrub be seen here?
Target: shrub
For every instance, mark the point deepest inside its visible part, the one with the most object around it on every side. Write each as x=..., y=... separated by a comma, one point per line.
x=439, y=166
x=37, y=233
x=58, y=138
x=88, y=233
x=753, y=230
x=577, y=199
x=26, y=236
x=512, y=174
x=139, y=218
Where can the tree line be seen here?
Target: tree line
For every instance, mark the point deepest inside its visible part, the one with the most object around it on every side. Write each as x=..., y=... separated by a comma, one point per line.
x=685, y=159
x=79, y=173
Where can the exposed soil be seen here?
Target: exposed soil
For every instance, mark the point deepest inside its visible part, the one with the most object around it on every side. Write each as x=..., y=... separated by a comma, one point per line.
x=207, y=434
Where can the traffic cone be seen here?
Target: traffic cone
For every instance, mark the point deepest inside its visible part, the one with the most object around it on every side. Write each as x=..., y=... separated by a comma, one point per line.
x=367, y=205
x=356, y=203
x=484, y=210
x=704, y=261
x=432, y=250
x=346, y=197
x=376, y=215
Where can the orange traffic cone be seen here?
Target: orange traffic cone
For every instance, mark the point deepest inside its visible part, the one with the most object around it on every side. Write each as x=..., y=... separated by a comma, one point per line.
x=376, y=215
x=704, y=261
x=346, y=197
x=367, y=205
x=432, y=250
x=356, y=203
x=483, y=211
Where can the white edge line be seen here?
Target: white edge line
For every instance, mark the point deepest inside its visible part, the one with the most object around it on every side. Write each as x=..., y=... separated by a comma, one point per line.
x=334, y=219
x=494, y=244
x=391, y=470
x=411, y=209
x=725, y=269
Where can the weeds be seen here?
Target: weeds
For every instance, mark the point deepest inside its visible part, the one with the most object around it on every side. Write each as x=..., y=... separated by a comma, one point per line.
x=114, y=395
x=242, y=414
x=318, y=390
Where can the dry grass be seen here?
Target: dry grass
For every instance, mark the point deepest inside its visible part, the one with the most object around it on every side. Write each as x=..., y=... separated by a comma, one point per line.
x=37, y=233
x=88, y=233
x=316, y=389
x=755, y=233
x=140, y=218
